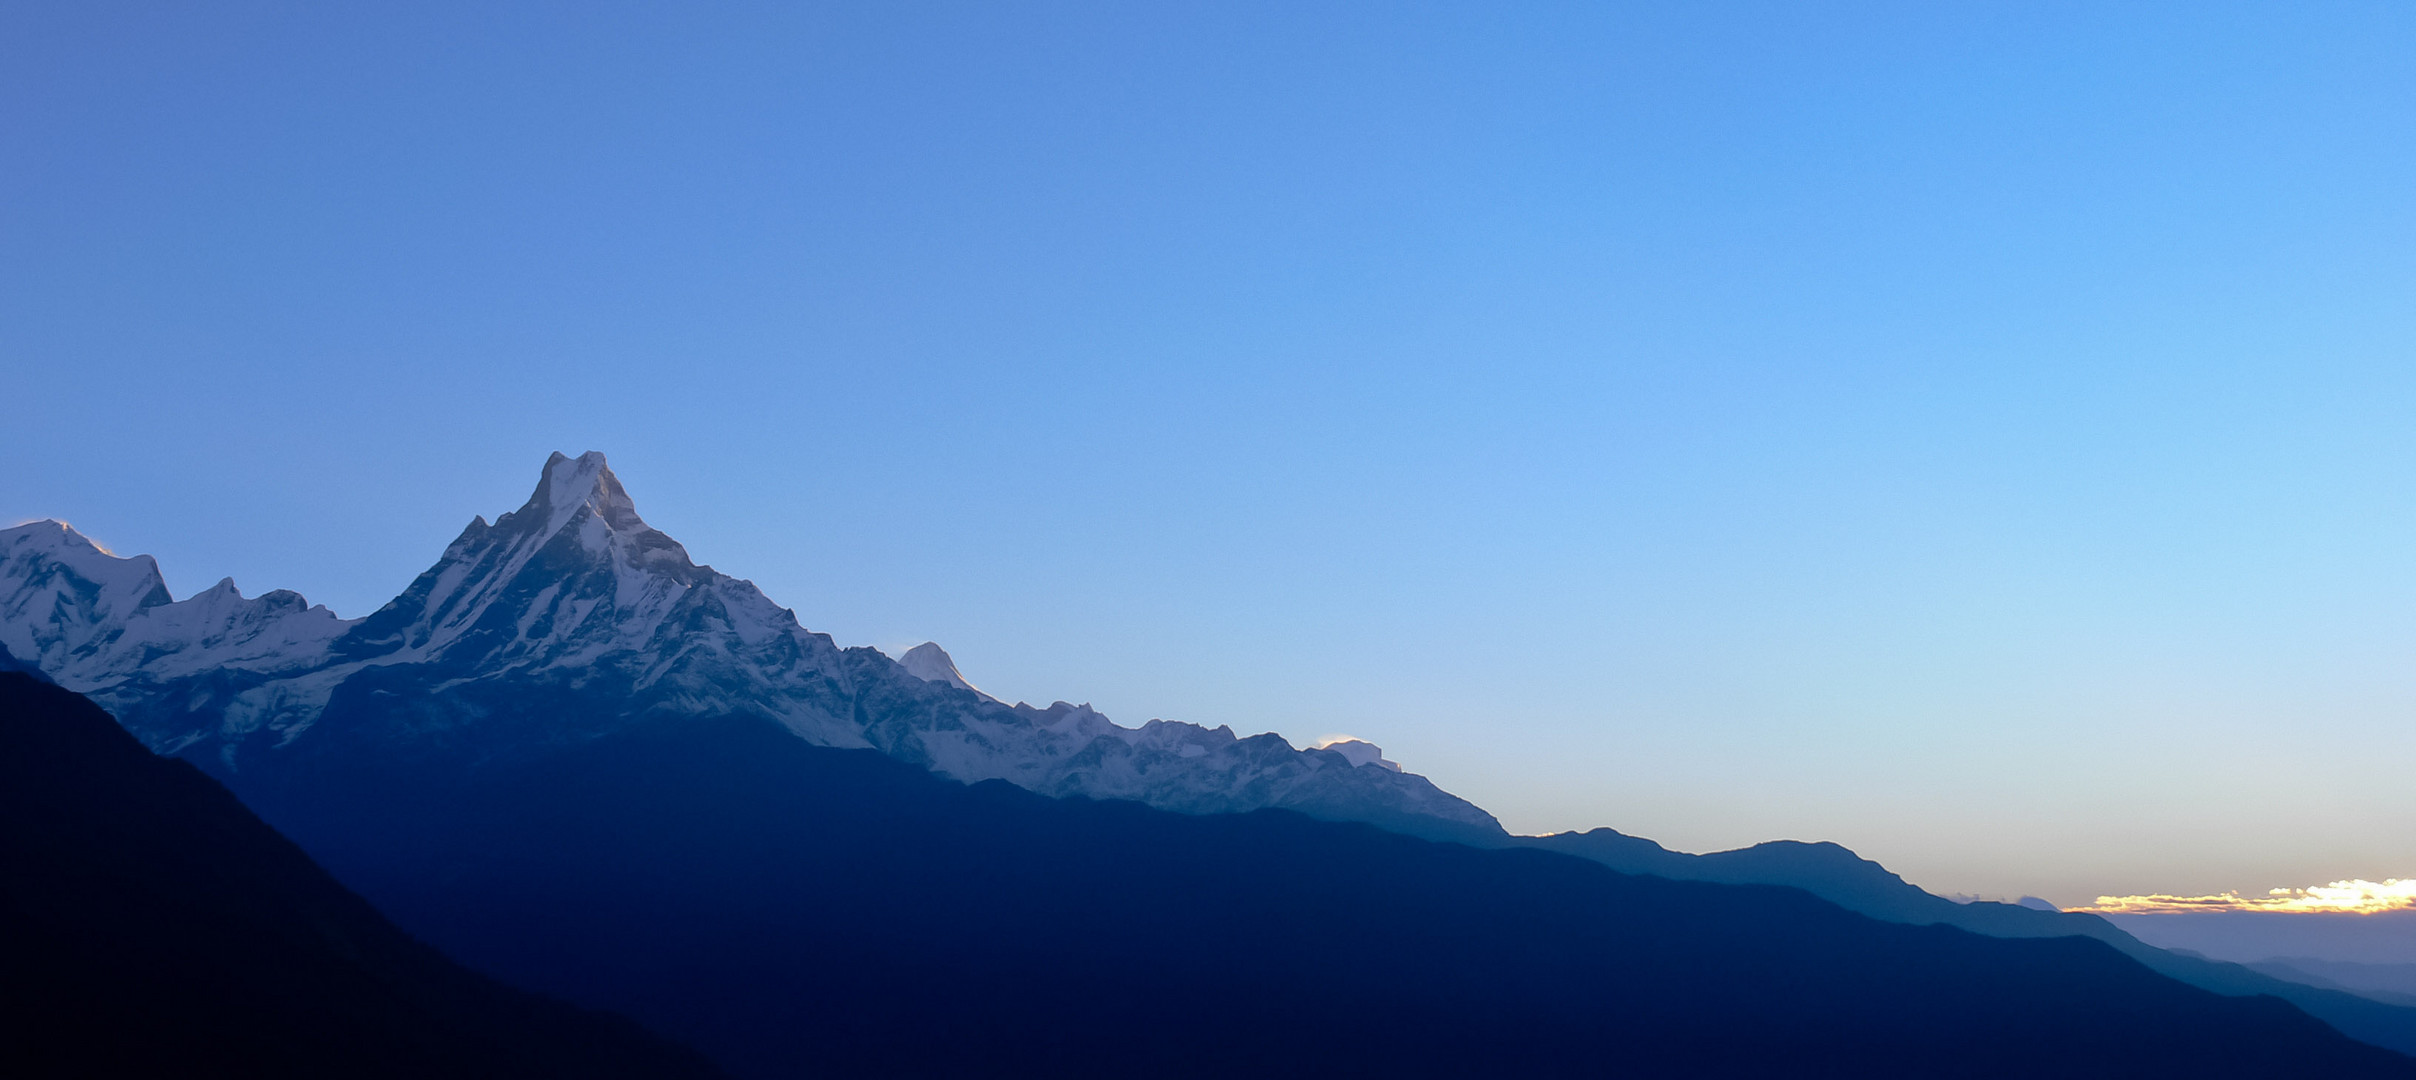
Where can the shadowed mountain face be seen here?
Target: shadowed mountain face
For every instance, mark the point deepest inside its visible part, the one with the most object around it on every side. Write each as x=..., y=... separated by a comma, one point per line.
x=10, y=663
x=795, y=909
x=156, y=928
x=1857, y=884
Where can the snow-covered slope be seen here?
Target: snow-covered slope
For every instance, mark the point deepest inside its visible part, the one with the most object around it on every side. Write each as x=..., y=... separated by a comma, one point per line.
x=571, y=617
x=105, y=626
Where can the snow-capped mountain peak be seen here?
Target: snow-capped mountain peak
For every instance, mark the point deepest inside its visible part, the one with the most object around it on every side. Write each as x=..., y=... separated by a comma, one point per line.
x=570, y=618
x=575, y=588
x=931, y=663
x=59, y=574
x=94, y=621
x=1356, y=751
x=62, y=595
x=575, y=560
x=584, y=482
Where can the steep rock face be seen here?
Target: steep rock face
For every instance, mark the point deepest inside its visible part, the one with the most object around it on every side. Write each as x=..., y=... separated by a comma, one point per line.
x=570, y=618
x=575, y=593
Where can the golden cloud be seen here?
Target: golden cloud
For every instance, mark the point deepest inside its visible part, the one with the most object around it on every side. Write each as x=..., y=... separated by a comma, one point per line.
x=2360, y=897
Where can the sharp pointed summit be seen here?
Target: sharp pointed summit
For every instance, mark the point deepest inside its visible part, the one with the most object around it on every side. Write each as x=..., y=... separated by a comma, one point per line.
x=931, y=663
x=574, y=562
x=584, y=482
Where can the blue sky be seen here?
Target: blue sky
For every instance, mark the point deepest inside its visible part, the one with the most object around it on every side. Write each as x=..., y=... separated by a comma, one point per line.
x=1975, y=434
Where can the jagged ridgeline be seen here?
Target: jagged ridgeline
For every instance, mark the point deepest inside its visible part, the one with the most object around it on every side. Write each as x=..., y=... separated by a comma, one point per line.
x=570, y=618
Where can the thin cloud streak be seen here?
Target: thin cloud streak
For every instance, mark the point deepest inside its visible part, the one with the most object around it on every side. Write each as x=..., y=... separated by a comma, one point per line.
x=2358, y=897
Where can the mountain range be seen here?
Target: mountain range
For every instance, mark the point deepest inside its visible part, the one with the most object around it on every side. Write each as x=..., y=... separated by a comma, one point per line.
x=575, y=760
x=574, y=597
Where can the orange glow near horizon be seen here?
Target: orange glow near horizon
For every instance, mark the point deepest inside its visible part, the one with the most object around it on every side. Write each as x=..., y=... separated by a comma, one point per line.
x=2359, y=897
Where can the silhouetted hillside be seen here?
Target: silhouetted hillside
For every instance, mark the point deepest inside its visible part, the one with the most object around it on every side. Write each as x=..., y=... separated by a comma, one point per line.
x=1850, y=881
x=800, y=910
x=154, y=927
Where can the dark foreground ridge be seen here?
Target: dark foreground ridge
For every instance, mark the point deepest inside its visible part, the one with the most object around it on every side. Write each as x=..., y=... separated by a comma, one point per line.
x=154, y=927
x=797, y=910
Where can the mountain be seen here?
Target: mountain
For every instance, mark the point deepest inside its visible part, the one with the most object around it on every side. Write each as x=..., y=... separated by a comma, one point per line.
x=1359, y=752
x=801, y=910
x=155, y=927
x=569, y=622
x=931, y=663
x=798, y=910
x=573, y=597
x=1841, y=877
x=95, y=622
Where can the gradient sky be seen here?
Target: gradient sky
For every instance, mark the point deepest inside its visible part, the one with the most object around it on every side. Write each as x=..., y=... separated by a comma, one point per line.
x=1980, y=435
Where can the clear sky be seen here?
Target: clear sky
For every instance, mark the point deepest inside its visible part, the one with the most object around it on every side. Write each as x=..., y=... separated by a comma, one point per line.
x=1980, y=435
